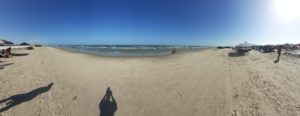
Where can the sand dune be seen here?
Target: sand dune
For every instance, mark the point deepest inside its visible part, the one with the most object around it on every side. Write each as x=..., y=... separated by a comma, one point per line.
x=206, y=83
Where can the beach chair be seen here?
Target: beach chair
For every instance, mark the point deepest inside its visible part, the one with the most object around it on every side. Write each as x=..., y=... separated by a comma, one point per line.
x=2, y=53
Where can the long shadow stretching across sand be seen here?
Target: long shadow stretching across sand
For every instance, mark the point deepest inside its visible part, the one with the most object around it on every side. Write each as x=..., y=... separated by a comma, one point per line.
x=21, y=54
x=20, y=98
x=277, y=60
x=236, y=54
x=6, y=64
x=3, y=65
x=108, y=104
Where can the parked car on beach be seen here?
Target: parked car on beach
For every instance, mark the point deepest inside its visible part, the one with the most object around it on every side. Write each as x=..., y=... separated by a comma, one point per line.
x=243, y=49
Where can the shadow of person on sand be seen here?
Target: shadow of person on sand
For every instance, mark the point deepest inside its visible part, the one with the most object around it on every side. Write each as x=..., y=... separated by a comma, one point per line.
x=6, y=64
x=108, y=104
x=20, y=54
x=233, y=54
x=3, y=65
x=277, y=60
x=21, y=98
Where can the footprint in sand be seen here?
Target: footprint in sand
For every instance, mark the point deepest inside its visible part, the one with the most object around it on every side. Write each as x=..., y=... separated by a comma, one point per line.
x=298, y=107
x=235, y=96
x=179, y=95
x=60, y=106
x=235, y=113
x=74, y=98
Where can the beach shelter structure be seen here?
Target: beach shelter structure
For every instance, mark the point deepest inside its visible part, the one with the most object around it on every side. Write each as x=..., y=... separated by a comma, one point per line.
x=24, y=44
x=245, y=44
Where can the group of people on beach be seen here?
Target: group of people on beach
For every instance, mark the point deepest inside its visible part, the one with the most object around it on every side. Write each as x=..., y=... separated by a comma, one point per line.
x=6, y=52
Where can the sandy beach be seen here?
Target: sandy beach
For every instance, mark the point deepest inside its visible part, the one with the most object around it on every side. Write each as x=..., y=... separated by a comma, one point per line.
x=205, y=83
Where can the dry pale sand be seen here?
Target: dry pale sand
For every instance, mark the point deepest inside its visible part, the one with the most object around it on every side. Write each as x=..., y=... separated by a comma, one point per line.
x=206, y=83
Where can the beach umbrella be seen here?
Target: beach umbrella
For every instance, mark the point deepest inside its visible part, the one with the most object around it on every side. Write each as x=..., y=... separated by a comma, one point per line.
x=7, y=42
x=1, y=43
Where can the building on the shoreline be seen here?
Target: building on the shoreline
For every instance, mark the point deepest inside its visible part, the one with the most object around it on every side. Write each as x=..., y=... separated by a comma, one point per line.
x=288, y=46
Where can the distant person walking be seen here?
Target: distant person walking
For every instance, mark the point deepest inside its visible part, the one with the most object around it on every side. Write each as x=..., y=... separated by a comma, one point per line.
x=279, y=52
x=173, y=51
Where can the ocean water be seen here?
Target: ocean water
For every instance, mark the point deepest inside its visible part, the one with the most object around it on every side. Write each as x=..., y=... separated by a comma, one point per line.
x=130, y=50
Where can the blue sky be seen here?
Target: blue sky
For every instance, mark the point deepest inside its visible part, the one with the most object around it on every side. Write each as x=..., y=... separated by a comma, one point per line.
x=189, y=22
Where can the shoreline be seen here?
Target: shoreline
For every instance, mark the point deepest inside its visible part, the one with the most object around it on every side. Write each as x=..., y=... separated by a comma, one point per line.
x=124, y=56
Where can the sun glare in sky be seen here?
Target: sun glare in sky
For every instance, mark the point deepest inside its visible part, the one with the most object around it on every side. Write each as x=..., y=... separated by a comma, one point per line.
x=287, y=10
